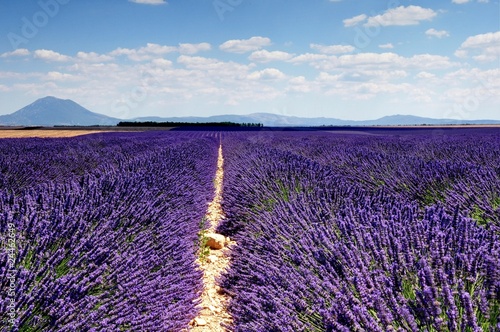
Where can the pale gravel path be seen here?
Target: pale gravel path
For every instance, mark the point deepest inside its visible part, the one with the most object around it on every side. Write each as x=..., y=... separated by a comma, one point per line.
x=213, y=302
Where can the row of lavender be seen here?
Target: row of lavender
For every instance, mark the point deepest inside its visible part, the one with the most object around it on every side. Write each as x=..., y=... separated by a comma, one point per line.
x=105, y=230
x=456, y=171
x=356, y=233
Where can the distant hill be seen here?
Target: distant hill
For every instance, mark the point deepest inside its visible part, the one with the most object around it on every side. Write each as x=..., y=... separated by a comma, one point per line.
x=51, y=111
x=394, y=120
x=276, y=120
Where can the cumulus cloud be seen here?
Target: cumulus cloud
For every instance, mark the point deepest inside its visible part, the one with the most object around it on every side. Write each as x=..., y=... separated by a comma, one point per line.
x=301, y=85
x=245, y=45
x=144, y=53
x=58, y=76
x=213, y=66
x=437, y=33
x=162, y=63
x=93, y=57
x=151, y=50
x=267, y=74
x=194, y=48
x=156, y=49
x=486, y=47
x=400, y=16
x=198, y=62
x=349, y=22
x=49, y=55
x=374, y=61
x=460, y=2
x=267, y=56
x=149, y=2
x=425, y=75
x=308, y=58
x=332, y=49
x=16, y=52
x=386, y=46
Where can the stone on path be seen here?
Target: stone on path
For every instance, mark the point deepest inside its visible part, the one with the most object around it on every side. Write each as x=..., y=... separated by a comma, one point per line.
x=215, y=241
x=212, y=259
x=200, y=321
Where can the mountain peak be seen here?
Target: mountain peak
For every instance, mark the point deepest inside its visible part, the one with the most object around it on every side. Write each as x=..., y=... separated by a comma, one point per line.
x=50, y=111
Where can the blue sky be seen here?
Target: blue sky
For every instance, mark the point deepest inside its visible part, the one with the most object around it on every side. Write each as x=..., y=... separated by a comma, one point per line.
x=347, y=59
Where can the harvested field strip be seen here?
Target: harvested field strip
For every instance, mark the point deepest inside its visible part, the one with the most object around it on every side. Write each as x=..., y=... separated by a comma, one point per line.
x=10, y=133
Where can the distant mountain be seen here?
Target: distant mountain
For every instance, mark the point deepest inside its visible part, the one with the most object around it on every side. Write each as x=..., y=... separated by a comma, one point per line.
x=50, y=111
x=214, y=118
x=267, y=119
x=411, y=120
x=276, y=120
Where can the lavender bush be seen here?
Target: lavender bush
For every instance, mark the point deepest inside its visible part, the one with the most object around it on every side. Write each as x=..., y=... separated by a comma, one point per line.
x=345, y=233
x=111, y=248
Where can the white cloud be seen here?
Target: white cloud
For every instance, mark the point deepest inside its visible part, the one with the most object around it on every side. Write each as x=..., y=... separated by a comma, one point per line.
x=149, y=2
x=156, y=49
x=58, y=76
x=245, y=45
x=332, y=49
x=18, y=76
x=429, y=61
x=308, y=58
x=411, y=15
x=198, y=62
x=267, y=74
x=374, y=61
x=144, y=53
x=162, y=63
x=266, y=56
x=48, y=55
x=93, y=57
x=213, y=66
x=386, y=46
x=425, y=75
x=301, y=85
x=482, y=40
x=349, y=22
x=16, y=52
x=460, y=2
x=485, y=46
x=437, y=33
x=194, y=48
x=326, y=77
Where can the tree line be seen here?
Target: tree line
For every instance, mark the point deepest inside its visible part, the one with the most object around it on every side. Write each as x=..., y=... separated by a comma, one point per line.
x=185, y=124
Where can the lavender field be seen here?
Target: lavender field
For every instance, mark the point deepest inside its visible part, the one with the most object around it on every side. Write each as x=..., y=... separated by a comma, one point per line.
x=104, y=229
x=363, y=232
x=367, y=231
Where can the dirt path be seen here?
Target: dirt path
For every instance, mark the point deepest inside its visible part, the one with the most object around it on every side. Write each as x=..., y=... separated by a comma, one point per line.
x=214, y=303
